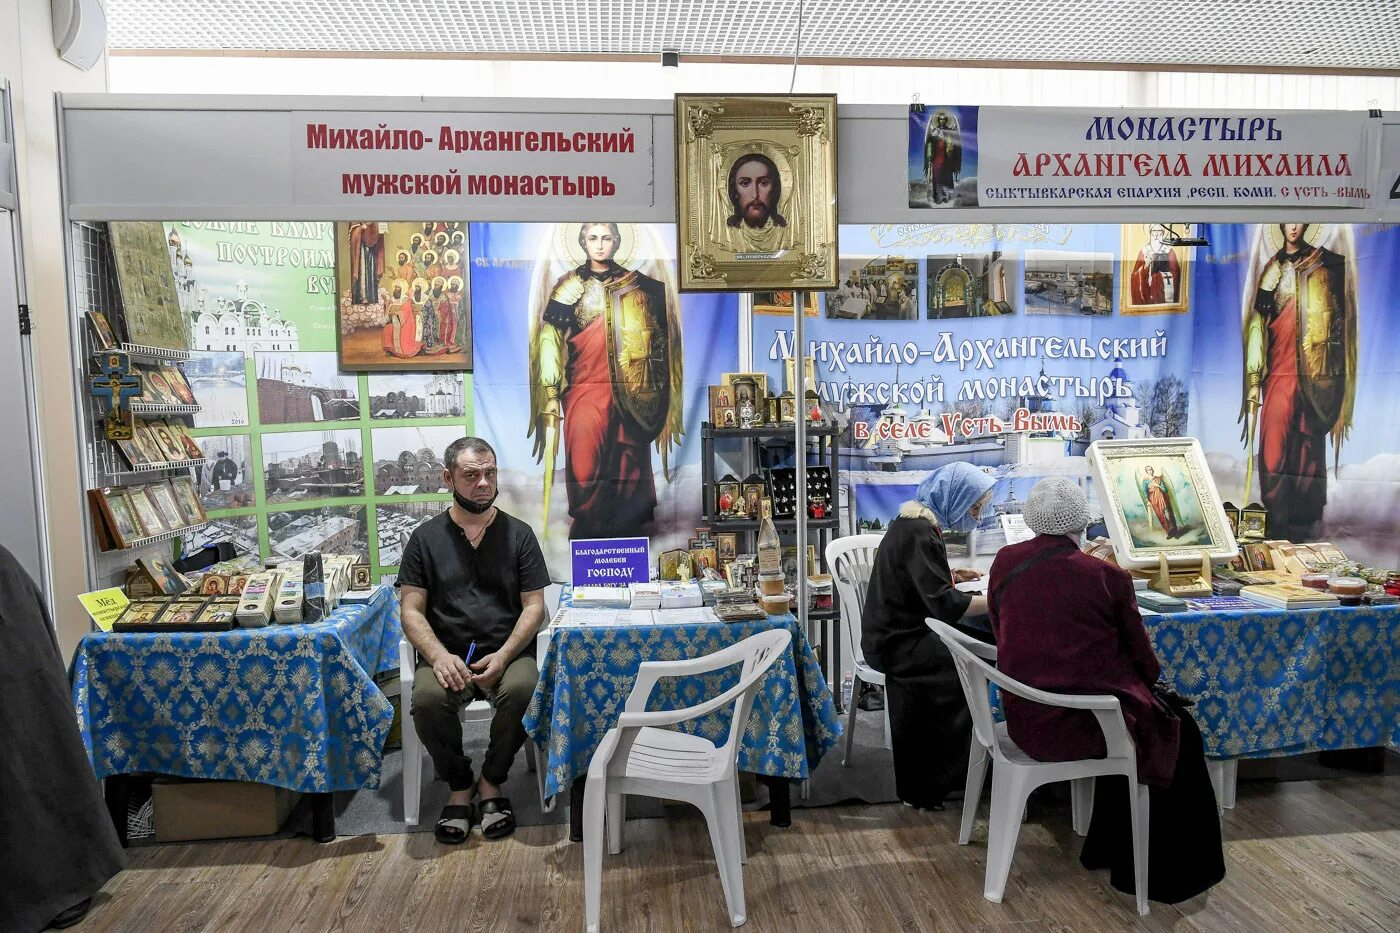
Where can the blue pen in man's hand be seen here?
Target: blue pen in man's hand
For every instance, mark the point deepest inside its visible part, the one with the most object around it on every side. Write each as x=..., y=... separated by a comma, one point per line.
x=471, y=650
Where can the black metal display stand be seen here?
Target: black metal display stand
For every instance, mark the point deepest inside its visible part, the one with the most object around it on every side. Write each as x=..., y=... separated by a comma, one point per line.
x=822, y=452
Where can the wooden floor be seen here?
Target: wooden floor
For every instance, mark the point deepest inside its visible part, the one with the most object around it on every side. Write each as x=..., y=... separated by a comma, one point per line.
x=1305, y=856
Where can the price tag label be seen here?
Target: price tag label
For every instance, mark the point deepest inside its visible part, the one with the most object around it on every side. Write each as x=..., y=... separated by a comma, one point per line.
x=104, y=606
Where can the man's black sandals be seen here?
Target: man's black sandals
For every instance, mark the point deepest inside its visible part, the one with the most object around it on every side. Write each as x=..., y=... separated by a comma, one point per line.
x=497, y=820
x=454, y=824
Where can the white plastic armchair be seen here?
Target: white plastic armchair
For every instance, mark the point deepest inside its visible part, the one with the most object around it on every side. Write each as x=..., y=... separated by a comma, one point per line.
x=1017, y=774
x=475, y=711
x=638, y=756
x=851, y=559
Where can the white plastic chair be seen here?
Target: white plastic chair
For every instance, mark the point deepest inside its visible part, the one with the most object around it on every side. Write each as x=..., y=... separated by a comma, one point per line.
x=850, y=560
x=978, y=756
x=1017, y=774
x=475, y=711
x=638, y=757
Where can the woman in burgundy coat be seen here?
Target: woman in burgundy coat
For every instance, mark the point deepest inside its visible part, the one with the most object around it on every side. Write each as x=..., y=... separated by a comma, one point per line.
x=1066, y=622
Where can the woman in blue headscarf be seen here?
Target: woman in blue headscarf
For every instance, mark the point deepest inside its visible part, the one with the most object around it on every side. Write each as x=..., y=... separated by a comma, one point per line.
x=910, y=580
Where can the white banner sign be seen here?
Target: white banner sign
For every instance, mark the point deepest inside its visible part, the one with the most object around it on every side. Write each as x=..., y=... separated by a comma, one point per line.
x=446, y=159
x=1029, y=156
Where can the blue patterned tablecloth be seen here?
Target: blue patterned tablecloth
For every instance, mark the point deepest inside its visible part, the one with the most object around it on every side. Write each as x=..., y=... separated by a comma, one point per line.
x=294, y=706
x=588, y=671
x=1285, y=682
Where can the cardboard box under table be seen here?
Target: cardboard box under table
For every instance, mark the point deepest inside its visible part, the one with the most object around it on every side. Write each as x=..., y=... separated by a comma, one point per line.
x=285, y=706
x=218, y=809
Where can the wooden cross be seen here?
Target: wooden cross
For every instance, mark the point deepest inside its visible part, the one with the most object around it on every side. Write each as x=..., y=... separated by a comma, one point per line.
x=113, y=384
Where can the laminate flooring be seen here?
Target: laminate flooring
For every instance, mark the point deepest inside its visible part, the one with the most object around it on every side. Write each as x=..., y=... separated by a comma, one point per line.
x=1305, y=856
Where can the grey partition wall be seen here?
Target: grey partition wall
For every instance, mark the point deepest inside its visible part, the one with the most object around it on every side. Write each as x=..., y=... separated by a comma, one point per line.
x=21, y=527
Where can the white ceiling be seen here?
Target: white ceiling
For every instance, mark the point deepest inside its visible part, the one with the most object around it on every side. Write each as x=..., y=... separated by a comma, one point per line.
x=1311, y=34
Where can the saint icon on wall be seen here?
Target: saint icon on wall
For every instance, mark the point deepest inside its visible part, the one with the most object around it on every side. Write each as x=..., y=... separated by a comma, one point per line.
x=1300, y=346
x=756, y=192
x=404, y=300
x=606, y=378
x=1155, y=275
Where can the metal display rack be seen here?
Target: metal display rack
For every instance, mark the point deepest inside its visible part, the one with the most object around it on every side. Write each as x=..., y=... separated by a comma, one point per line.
x=821, y=451
x=156, y=539
x=140, y=353
x=146, y=469
x=157, y=409
x=95, y=289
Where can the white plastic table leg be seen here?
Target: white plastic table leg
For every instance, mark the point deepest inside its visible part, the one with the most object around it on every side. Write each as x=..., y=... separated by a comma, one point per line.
x=1223, y=774
x=1230, y=775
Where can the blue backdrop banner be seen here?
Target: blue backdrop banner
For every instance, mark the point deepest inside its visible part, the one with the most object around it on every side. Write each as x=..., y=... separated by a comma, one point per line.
x=1013, y=346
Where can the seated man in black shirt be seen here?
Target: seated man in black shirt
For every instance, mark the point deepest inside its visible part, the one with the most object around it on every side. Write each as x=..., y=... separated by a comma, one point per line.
x=473, y=582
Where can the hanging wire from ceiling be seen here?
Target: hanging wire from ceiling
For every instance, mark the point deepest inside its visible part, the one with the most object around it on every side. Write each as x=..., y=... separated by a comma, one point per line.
x=796, y=47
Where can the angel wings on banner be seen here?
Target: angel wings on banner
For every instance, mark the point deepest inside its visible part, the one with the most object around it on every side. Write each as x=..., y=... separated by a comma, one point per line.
x=605, y=373
x=1300, y=344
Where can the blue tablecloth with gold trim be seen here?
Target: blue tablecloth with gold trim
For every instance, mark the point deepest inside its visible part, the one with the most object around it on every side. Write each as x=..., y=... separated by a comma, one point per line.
x=1285, y=682
x=588, y=671
x=294, y=706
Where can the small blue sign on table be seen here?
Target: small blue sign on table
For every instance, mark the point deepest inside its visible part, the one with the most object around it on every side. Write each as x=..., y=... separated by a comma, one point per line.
x=611, y=561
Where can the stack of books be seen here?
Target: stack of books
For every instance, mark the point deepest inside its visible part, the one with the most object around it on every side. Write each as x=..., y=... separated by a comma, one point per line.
x=675, y=595
x=1219, y=604
x=1159, y=602
x=738, y=605
x=645, y=595
x=287, y=606
x=710, y=590
x=255, y=603
x=601, y=597
x=360, y=597
x=1225, y=586
x=1289, y=596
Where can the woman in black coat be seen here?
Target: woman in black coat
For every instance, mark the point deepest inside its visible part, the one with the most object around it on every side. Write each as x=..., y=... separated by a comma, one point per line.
x=930, y=724
x=57, y=843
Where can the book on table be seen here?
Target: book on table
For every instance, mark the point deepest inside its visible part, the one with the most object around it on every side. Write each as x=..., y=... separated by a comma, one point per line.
x=645, y=595
x=1160, y=602
x=1219, y=604
x=608, y=597
x=1289, y=596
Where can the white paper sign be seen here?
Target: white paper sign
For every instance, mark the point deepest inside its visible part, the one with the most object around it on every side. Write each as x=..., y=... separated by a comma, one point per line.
x=1073, y=157
x=1015, y=528
x=470, y=158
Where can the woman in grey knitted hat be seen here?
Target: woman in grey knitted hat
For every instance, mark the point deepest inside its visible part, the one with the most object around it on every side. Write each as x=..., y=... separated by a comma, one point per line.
x=1066, y=622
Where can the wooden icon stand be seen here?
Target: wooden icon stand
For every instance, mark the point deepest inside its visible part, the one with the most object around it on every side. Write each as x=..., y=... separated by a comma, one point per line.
x=1181, y=582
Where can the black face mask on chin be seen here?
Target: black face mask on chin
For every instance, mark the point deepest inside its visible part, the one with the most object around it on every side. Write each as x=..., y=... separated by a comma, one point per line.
x=475, y=508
